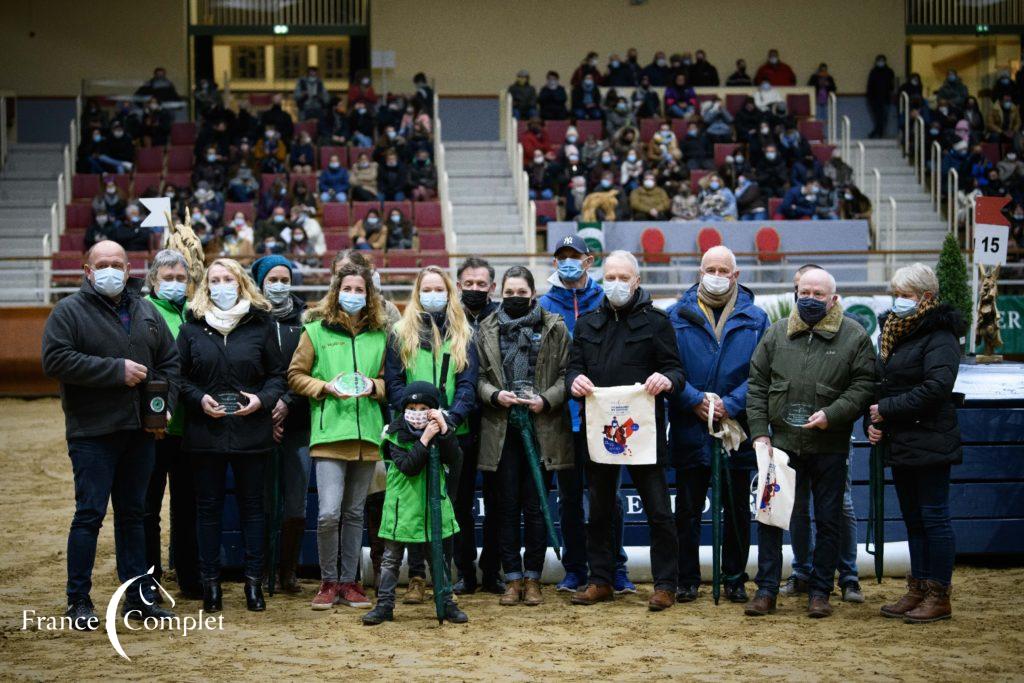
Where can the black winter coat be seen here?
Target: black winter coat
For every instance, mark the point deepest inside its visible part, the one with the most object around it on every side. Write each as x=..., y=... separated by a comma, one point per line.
x=288, y=331
x=915, y=392
x=249, y=360
x=616, y=347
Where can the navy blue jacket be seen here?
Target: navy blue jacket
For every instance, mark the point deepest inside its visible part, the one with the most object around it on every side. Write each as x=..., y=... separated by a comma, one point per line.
x=721, y=368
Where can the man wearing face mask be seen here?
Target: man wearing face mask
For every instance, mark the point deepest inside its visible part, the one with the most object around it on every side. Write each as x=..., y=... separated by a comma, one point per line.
x=811, y=377
x=717, y=328
x=739, y=78
x=772, y=175
x=881, y=82
x=311, y=95
x=775, y=71
x=524, y=96
x=658, y=71
x=103, y=344
x=953, y=90
x=552, y=99
x=627, y=340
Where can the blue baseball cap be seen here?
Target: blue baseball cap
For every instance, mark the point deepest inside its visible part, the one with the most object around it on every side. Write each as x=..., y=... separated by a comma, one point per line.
x=574, y=242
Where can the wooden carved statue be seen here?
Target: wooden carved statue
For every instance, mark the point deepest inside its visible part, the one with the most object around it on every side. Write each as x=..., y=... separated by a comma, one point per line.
x=606, y=202
x=181, y=238
x=988, y=316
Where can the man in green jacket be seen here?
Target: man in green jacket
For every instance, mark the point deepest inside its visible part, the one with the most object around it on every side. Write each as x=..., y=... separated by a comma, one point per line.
x=811, y=377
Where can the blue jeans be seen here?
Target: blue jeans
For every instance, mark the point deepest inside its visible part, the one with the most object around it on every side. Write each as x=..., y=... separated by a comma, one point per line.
x=336, y=197
x=524, y=113
x=110, y=468
x=803, y=542
x=678, y=112
x=592, y=114
x=544, y=194
x=238, y=191
x=758, y=215
x=396, y=197
x=824, y=474
x=923, y=493
x=362, y=140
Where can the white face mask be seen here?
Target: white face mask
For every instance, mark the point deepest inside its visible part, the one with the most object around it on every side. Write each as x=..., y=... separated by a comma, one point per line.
x=277, y=292
x=108, y=281
x=617, y=292
x=649, y=183
x=715, y=284
x=433, y=302
x=224, y=296
x=417, y=419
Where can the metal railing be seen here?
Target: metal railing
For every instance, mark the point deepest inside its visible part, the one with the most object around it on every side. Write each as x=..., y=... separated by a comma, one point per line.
x=520, y=179
x=443, y=195
x=47, y=284
x=62, y=201
x=860, y=165
x=833, y=108
x=904, y=106
x=890, y=260
x=952, y=201
x=919, y=151
x=274, y=12
x=947, y=13
x=876, y=203
x=936, y=176
x=844, y=139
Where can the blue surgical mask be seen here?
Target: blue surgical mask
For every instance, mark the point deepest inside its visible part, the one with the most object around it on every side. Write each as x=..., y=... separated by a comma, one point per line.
x=334, y=165
x=224, y=296
x=211, y=158
x=108, y=281
x=433, y=302
x=570, y=269
x=811, y=310
x=278, y=218
x=714, y=185
x=605, y=183
x=903, y=307
x=351, y=303
x=277, y=292
x=617, y=292
x=171, y=290
x=770, y=156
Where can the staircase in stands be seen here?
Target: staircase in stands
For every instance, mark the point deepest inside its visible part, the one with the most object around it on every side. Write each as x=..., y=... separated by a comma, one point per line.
x=28, y=188
x=485, y=214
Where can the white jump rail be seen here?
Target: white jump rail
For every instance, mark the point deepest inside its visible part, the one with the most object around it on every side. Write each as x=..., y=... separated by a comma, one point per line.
x=520, y=180
x=844, y=140
x=952, y=205
x=919, y=151
x=833, y=109
x=443, y=196
x=936, y=175
x=904, y=105
x=860, y=165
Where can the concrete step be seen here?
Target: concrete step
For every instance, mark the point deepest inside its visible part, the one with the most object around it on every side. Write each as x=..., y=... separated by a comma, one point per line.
x=484, y=169
x=475, y=228
x=35, y=147
x=483, y=200
x=488, y=243
x=31, y=190
x=463, y=145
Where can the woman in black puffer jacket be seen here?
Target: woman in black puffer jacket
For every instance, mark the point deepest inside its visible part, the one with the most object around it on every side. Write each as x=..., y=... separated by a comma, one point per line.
x=915, y=421
x=229, y=354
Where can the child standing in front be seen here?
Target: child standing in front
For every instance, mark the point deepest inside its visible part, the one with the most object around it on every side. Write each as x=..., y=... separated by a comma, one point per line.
x=406, y=446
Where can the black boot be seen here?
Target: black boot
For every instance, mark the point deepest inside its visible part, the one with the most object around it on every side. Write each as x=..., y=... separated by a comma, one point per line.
x=453, y=614
x=81, y=613
x=138, y=611
x=213, y=599
x=378, y=615
x=254, y=601
x=291, y=545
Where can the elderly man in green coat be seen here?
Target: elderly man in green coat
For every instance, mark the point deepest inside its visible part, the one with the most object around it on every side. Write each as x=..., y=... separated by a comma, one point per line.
x=811, y=377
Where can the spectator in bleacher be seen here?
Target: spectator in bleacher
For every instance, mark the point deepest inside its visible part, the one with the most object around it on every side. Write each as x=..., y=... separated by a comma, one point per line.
x=625, y=140
x=586, y=99
x=334, y=181
x=120, y=148
x=680, y=99
x=837, y=170
x=552, y=99
x=717, y=202
x=772, y=174
x=593, y=148
x=534, y=139
x=649, y=202
x=92, y=155
x=311, y=95
x=775, y=71
x=696, y=147
x=739, y=78
x=717, y=120
x=241, y=226
x=541, y=174
x=393, y=179
x=389, y=142
x=241, y=153
x=303, y=195
x=369, y=232
x=130, y=234
x=1010, y=167
x=957, y=158
x=401, y=233
x=733, y=166
x=206, y=96
x=410, y=118
x=702, y=73
x=104, y=226
x=828, y=201
x=421, y=139
x=156, y=124
x=1004, y=85
x=210, y=170
x=805, y=168
x=179, y=197
x=792, y=144
x=362, y=91
x=769, y=100
x=800, y=202
x=363, y=179
x=130, y=118
x=663, y=145
x=619, y=74
x=669, y=173
x=605, y=164
x=644, y=101
x=881, y=83
x=524, y=96
x=853, y=204
x=390, y=113
x=953, y=90
x=631, y=170
x=269, y=239
x=994, y=187
x=159, y=86
x=94, y=117
x=305, y=217
x=303, y=155
x=751, y=203
x=213, y=134
x=587, y=67
x=748, y=120
x=243, y=185
x=423, y=98
x=974, y=119
x=235, y=244
x=273, y=198
x=278, y=119
x=618, y=117
x=362, y=124
x=684, y=205
x=112, y=199
x=658, y=72
x=334, y=129
x=210, y=203
x=1003, y=122
x=422, y=177
x=978, y=164
x=300, y=250
x=271, y=152
x=912, y=86
x=823, y=84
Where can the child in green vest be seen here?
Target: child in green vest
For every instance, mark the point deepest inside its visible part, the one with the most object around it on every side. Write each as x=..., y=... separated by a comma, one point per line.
x=406, y=449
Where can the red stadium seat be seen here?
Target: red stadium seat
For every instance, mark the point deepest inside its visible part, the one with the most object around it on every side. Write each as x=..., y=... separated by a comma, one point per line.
x=309, y=126
x=773, y=208
x=326, y=152
x=733, y=103
x=64, y=260
x=179, y=158
x=822, y=152
x=798, y=104
x=696, y=175
x=707, y=238
x=652, y=241
x=722, y=150
x=336, y=241
x=405, y=207
x=231, y=208
x=648, y=127
x=268, y=179
x=432, y=240
x=546, y=209
x=183, y=133
x=122, y=180
x=335, y=215
x=143, y=181
x=308, y=178
x=85, y=185
x=260, y=99
x=402, y=258
x=360, y=209
x=437, y=258
x=679, y=128
x=72, y=241
x=78, y=216
x=767, y=241
x=555, y=131
x=991, y=151
x=177, y=178
x=585, y=128
x=426, y=214
x=149, y=159
x=812, y=129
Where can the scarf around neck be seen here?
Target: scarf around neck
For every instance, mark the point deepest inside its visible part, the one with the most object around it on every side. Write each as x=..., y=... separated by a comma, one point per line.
x=518, y=340
x=896, y=328
x=226, y=321
x=283, y=309
x=725, y=301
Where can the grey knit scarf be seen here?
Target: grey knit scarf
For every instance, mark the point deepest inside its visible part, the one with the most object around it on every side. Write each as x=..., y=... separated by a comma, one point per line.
x=518, y=340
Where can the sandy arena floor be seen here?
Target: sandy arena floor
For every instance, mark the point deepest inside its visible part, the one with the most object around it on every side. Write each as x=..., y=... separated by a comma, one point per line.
x=622, y=640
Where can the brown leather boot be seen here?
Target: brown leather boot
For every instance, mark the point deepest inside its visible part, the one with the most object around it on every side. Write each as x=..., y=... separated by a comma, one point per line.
x=661, y=600
x=513, y=593
x=291, y=545
x=818, y=607
x=934, y=607
x=913, y=597
x=416, y=593
x=531, y=593
x=762, y=605
x=592, y=594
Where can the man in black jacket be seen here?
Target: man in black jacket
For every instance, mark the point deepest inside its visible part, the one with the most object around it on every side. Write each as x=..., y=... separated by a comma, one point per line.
x=627, y=340
x=103, y=343
x=881, y=83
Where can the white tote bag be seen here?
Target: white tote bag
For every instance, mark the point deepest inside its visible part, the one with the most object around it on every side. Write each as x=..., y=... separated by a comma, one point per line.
x=776, y=486
x=621, y=427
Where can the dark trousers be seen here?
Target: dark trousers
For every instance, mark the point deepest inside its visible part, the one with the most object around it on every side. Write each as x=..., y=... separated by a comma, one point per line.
x=464, y=504
x=879, y=110
x=417, y=552
x=602, y=532
x=923, y=493
x=518, y=498
x=374, y=514
x=173, y=467
x=827, y=474
x=111, y=468
x=210, y=480
x=691, y=493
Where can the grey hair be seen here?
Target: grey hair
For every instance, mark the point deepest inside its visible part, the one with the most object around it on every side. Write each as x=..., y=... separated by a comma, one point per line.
x=917, y=278
x=720, y=247
x=627, y=257
x=831, y=278
x=165, y=258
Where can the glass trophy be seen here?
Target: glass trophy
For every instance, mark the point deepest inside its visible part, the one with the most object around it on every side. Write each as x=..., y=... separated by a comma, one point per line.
x=351, y=384
x=230, y=401
x=797, y=414
x=524, y=389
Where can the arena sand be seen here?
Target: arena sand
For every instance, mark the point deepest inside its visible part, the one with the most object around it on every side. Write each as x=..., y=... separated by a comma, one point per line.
x=556, y=641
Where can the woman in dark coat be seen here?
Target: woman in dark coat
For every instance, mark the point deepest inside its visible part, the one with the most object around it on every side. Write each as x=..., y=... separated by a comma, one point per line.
x=915, y=421
x=232, y=375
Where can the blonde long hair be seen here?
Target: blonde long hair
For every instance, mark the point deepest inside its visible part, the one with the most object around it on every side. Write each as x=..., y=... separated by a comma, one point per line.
x=200, y=303
x=328, y=310
x=457, y=332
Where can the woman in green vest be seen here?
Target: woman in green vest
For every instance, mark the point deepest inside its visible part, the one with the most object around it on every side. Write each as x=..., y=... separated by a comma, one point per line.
x=339, y=365
x=433, y=342
x=167, y=281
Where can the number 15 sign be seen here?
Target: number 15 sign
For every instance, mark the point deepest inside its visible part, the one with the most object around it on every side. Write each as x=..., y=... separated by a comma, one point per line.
x=990, y=243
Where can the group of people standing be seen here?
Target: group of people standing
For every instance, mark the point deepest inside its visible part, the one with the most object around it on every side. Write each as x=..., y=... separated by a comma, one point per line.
x=363, y=394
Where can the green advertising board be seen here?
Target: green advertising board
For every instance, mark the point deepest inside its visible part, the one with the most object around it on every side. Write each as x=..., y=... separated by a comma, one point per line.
x=1011, y=323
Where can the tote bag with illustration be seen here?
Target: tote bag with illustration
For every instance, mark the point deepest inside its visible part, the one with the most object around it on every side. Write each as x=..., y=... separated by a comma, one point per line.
x=621, y=427
x=776, y=486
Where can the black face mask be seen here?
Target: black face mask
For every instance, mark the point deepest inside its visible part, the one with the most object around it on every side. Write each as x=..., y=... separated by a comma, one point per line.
x=474, y=299
x=516, y=306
